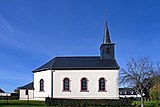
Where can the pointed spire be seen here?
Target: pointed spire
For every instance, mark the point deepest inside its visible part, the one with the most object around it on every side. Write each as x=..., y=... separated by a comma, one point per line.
x=106, y=38
x=107, y=48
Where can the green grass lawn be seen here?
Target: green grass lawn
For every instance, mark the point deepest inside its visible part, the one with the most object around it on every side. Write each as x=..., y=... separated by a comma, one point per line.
x=147, y=103
x=21, y=103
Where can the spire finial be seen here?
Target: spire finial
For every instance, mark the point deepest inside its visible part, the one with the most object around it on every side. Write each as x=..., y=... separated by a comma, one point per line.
x=106, y=32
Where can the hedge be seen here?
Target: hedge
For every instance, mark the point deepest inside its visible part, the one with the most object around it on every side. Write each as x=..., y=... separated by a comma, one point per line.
x=88, y=102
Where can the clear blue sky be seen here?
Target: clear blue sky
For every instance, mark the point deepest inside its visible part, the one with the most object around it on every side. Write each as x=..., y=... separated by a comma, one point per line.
x=34, y=31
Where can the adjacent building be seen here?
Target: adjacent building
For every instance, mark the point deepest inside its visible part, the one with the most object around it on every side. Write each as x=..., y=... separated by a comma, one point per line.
x=128, y=93
x=26, y=92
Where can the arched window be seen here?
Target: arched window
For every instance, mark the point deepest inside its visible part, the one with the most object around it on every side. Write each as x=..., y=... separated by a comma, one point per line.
x=66, y=84
x=41, y=85
x=84, y=84
x=102, y=84
x=108, y=50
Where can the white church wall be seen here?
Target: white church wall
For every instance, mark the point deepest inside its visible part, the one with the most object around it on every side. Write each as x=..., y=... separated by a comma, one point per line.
x=23, y=95
x=46, y=76
x=111, y=76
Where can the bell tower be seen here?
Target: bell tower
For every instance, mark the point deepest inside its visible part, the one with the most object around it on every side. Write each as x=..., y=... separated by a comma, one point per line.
x=107, y=48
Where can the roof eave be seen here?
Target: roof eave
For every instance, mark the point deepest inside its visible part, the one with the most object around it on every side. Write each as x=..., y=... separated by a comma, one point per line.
x=76, y=68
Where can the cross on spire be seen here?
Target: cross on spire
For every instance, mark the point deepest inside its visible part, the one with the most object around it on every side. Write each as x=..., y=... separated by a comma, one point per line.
x=106, y=17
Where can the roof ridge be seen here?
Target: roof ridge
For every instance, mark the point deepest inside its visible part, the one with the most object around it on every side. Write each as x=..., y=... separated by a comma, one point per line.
x=52, y=63
x=76, y=56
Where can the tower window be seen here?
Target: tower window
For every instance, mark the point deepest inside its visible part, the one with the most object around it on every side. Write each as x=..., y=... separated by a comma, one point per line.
x=108, y=50
x=66, y=84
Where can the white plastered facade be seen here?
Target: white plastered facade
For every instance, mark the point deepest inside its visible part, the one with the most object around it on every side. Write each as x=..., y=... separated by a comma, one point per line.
x=53, y=84
x=46, y=76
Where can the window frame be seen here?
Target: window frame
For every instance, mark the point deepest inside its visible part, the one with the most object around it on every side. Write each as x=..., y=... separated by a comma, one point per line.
x=63, y=83
x=41, y=85
x=100, y=89
x=26, y=92
x=81, y=85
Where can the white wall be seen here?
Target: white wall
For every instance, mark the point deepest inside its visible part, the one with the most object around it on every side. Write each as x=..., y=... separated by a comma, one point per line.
x=93, y=76
x=129, y=96
x=46, y=76
x=5, y=94
x=23, y=95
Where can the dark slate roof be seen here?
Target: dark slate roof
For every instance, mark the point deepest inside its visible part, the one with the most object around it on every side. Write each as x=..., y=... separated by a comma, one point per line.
x=127, y=91
x=28, y=86
x=1, y=91
x=69, y=63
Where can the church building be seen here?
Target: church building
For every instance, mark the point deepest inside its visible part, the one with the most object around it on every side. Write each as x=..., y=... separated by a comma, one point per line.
x=86, y=77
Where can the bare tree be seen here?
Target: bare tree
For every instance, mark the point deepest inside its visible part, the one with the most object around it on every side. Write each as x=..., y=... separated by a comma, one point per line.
x=158, y=68
x=137, y=74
